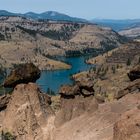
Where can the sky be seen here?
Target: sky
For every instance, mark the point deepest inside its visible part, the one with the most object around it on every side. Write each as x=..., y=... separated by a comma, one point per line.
x=88, y=9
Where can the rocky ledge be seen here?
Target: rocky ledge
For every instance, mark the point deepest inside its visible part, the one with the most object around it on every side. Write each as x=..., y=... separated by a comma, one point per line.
x=75, y=101
x=134, y=73
x=24, y=73
x=134, y=85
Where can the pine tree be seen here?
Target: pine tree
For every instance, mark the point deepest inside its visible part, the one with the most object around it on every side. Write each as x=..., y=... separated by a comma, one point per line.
x=128, y=62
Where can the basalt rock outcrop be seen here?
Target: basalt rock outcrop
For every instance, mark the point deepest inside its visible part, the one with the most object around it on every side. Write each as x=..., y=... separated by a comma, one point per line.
x=28, y=115
x=128, y=127
x=96, y=124
x=134, y=73
x=75, y=101
x=133, y=87
x=24, y=73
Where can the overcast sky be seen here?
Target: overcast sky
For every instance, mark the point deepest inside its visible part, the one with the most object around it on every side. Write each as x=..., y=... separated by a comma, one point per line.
x=89, y=9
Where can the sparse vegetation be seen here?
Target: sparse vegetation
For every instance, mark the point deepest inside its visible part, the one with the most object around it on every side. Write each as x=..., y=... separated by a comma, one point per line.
x=50, y=92
x=8, y=136
x=113, y=69
x=29, y=31
x=128, y=63
x=2, y=37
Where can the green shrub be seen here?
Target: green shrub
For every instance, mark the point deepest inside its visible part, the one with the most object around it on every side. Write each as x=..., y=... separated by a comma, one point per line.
x=128, y=63
x=8, y=136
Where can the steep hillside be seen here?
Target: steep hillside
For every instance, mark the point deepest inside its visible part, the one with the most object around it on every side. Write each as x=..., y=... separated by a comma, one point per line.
x=80, y=115
x=110, y=76
x=25, y=40
x=133, y=32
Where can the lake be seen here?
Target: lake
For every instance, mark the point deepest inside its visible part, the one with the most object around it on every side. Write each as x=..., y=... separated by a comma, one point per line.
x=54, y=79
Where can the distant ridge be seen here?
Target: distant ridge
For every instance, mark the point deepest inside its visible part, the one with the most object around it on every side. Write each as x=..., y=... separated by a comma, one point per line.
x=117, y=25
x=49, y=15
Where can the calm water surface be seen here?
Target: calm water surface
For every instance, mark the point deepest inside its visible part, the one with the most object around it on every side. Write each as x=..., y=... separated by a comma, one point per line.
x=54, y=79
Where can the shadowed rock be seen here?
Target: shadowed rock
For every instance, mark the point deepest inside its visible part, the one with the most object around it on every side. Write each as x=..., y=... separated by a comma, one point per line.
x=133, y=87
x=4, y=100
x=134, y=73
x=75, y=100
x=24, y=73
x=68, y=91
x=83, y=87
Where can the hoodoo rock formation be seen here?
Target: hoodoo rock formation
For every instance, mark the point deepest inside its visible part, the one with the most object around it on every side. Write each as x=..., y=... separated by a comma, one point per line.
x=28, y=114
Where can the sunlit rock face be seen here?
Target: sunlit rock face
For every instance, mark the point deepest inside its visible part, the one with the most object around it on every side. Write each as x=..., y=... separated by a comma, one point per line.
x=128, y=127
x=28, y=115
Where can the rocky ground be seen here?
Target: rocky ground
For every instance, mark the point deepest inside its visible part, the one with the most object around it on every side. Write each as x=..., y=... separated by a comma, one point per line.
x=26, y=40
x=79, y=112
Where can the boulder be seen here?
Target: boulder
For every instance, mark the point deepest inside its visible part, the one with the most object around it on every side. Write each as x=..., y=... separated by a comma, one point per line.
x=134, y=73
x=69, y=91
x=82, y=87
x=28, y=115
x=100, y=99
x=133, y=87
x=87, y=92
x=24, y=73
x=128, y=127
x=85, y=83
x=75, y=101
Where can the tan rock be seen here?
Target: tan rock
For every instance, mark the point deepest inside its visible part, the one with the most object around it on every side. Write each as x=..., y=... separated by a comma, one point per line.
x=128, y=127
x=133, y=87
x=28, y=115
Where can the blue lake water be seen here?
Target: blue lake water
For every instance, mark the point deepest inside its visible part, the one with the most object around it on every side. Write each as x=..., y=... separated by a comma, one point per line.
x=54, y=79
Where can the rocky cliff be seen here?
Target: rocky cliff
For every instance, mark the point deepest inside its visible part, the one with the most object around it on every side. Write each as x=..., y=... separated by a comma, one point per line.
x=27, y=114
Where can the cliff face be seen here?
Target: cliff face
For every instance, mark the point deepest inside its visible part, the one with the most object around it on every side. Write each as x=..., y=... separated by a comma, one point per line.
x=115, y=120
x=28, y=114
